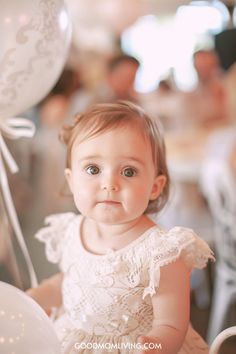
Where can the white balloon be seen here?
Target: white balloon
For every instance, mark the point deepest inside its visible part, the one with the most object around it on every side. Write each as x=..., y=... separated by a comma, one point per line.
x=24, y=327
x=35, y=38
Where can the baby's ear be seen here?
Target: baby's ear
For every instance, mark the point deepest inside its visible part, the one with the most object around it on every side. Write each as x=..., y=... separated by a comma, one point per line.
x=68, y=176
x=157, y=188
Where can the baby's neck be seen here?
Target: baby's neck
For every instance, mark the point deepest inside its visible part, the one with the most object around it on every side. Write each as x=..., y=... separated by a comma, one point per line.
x=98, y=237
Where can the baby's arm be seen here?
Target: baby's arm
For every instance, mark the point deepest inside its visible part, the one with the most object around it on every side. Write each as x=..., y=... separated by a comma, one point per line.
x=48, y=293
x=170, y=309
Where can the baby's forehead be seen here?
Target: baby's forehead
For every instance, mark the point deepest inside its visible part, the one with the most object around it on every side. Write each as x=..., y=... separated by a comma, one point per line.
x=132, y=127
x=122, y=139
x=112, y=148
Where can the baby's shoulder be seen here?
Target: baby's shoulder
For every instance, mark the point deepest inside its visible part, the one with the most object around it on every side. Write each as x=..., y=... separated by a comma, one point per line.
x=176, y=248
x=167, y=246
x=55, y=232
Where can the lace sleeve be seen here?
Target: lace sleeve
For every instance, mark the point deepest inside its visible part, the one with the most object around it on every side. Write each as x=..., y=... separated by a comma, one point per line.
x=53, y=235
x=178, y=242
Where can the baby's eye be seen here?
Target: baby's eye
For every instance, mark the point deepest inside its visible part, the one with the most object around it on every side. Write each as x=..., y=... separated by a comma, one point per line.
x=92, y=170
x=129, y=172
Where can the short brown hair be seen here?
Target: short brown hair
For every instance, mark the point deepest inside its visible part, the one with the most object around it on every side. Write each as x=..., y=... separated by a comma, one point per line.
x=120, y=59
x=107, y=116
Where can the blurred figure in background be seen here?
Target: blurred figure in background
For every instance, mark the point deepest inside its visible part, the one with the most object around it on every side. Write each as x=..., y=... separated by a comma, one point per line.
x=225, y=41
x=53, y=109
x=46, y=181
x=37, y=189
x=121, y=73
x=118, y=83
x=208, y=100
x=48, y=154
x=164, y=104
x=225, y=46
x=230, y=86
x=205, y=106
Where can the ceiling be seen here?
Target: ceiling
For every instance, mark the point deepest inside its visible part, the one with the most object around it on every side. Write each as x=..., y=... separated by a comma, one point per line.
x=96, y=23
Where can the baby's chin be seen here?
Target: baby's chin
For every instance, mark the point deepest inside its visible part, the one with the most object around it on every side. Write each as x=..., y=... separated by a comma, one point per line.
x=109, y=215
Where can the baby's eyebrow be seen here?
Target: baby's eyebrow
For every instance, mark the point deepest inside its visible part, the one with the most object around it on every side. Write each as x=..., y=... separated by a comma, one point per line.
x=89, y=158
x=135, y=159
x=127, y=159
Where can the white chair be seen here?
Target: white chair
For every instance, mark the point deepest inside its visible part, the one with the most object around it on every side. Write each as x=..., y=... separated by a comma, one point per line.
x=218, y=341
x=219, y=187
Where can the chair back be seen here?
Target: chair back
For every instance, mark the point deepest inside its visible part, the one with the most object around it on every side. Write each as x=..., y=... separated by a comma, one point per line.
x=222, y=336
x=218, y=185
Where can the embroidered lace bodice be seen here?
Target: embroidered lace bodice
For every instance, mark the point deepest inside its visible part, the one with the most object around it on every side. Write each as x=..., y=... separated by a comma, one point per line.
x=110, y=295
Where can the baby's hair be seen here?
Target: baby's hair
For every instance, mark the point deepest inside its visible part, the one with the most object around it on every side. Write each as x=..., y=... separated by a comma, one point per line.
x=103, y=117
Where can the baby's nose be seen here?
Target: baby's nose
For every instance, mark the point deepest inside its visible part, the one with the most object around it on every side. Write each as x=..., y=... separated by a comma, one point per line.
x=110, y=183
x=110, y=187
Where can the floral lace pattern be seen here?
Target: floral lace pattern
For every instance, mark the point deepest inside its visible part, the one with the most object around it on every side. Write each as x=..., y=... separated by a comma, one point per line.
x=106, y=295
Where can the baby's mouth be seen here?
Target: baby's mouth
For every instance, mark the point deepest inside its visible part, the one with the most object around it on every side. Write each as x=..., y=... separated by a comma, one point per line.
x=109, y=202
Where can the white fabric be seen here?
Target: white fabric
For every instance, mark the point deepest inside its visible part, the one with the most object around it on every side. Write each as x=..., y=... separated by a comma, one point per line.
x=107, y=298
x=216, y=179
x=220, y=144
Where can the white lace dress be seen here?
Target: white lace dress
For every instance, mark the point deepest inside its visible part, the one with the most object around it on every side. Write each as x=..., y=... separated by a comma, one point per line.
x=107, y=298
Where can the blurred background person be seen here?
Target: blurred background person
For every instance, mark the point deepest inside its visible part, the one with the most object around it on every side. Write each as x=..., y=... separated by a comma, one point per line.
x=225, y=41
x=42, y=170
x=53, y=109
x=47, y=151
x=205, y=106
x=118, y=83
x=164, y=104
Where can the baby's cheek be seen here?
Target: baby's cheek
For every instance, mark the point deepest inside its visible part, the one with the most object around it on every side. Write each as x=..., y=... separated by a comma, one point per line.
x=82, y=200
x=143, y=194
x=141, y=200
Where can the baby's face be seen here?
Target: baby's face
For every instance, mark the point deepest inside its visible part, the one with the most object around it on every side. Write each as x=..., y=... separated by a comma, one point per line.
x=112, y=176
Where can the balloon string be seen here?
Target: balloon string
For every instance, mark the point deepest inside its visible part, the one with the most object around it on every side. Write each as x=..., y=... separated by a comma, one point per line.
x=8, y=156
x=4, y=153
